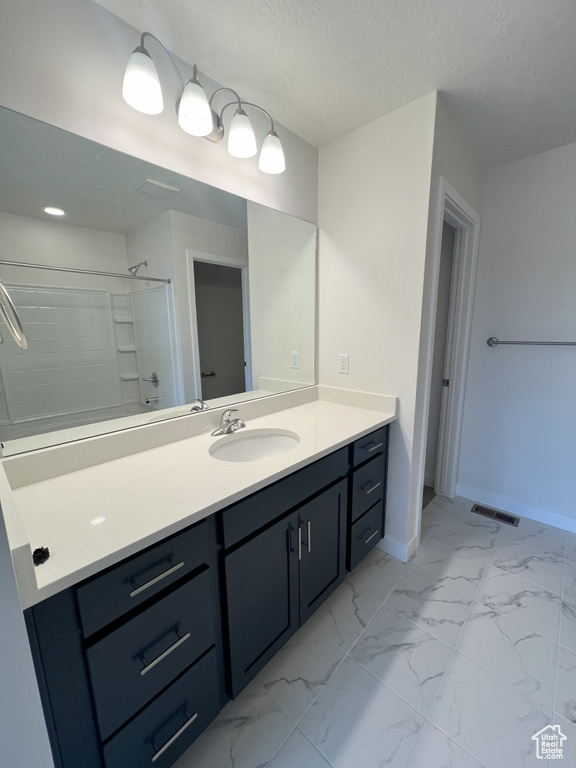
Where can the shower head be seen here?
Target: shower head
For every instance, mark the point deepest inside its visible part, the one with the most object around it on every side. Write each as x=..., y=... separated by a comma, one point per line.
x=134, y=270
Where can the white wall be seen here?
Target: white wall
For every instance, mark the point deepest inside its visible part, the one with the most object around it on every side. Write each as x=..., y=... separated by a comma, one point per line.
x=518, y=443
x=57, y=244
x=62, y=61
x=374, y=187
x=282, y=276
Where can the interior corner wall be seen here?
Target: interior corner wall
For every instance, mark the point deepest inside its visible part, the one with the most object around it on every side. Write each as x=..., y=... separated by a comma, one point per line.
x=518, y=447
x=62, y=61
x=374, y=187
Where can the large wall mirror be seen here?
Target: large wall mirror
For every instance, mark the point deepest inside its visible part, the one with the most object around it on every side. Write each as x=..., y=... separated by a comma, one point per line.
x=152, y=292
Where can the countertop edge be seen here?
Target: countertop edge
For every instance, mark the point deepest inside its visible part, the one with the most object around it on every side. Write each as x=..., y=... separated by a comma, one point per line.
x=31, y=593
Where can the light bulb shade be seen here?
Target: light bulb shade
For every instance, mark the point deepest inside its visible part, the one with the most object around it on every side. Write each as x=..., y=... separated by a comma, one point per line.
x=141, y=86
x=194, y=113
x=272, y=155
x=241, y=139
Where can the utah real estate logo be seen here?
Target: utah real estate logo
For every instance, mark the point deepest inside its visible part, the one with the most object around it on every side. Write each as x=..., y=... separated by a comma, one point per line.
x=549, y=743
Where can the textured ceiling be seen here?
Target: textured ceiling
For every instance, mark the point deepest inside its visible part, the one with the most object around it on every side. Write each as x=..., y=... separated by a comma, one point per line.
x=325, y=67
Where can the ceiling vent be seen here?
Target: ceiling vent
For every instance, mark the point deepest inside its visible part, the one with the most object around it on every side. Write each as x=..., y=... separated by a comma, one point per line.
x=156, y=189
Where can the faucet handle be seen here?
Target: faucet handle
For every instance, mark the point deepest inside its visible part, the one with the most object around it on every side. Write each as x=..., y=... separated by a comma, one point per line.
x=227, y=415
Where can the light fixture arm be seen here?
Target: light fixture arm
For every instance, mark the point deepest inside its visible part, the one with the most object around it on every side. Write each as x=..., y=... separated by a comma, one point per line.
x=167, y=52
x=225, y=88
x=240, y=104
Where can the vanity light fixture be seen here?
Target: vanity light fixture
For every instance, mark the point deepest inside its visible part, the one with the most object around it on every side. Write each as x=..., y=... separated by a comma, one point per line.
x=53, y=211
x=141, y=90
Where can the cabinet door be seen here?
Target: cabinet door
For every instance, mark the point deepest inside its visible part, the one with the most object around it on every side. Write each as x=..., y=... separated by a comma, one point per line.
x=262, y=593
x=322, y=547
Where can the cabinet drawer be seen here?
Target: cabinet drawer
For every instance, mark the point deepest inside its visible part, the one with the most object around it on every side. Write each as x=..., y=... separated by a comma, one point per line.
x=368, y=486
x=161, y=732
x=132, y=664
x=130, y=583
x=263, y=507
x=365, y=534
x=370, y=445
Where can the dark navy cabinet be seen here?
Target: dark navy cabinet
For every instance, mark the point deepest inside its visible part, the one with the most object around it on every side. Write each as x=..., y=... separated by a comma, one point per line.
x=135, y=662
x=322, y=547
x=130, y=663
x=262, y=597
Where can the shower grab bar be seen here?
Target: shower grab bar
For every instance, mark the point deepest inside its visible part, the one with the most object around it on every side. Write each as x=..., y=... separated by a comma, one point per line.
x=6, y=263
x=493, y=342
x=10, y=317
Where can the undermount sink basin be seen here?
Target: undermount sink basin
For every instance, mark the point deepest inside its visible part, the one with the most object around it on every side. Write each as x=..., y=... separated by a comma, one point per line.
x=254, y=444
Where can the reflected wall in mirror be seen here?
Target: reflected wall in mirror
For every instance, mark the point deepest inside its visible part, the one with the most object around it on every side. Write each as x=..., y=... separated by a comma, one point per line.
x=221, y=309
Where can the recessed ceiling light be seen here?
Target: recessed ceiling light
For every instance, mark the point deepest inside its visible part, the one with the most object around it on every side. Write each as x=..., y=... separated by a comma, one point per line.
x=54, y=211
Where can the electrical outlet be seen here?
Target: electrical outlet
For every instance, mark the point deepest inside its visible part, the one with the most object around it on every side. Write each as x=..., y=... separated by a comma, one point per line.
x=295, y=359
x=343, y=362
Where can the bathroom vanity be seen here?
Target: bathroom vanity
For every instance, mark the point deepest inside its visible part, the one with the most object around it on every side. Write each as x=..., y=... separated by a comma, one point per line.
x=136, y=659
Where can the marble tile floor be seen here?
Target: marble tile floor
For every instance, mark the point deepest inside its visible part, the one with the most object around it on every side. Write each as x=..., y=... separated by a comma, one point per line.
x=453, y=660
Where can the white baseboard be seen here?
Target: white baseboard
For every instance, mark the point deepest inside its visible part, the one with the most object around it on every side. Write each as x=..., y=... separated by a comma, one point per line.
x=397, y=548
x=515, y=507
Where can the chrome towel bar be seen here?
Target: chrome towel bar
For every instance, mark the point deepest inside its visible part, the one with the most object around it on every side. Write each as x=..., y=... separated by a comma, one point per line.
x=493, y=342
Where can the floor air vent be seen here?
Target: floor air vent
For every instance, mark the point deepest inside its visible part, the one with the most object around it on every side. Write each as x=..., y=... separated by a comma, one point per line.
x=502, y=517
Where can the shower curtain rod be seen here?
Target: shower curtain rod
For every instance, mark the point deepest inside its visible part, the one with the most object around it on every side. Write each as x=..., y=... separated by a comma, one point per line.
x=83, y=271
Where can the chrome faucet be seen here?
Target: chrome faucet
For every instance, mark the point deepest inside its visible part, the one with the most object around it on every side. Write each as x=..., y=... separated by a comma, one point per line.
x=228, y=424
x=199, y=405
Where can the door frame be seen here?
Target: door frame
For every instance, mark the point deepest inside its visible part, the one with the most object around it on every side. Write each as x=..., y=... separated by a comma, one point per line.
x=223, y=261
x=453, y=209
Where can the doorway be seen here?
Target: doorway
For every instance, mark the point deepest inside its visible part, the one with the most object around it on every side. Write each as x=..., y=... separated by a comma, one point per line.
x=220, y=325
x=440, y=378
x=447, y=341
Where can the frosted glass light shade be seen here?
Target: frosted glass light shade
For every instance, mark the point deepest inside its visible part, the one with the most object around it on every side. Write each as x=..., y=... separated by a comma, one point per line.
x=272, y=155
x=141, y=86
x=194, y=113
x=241, y=139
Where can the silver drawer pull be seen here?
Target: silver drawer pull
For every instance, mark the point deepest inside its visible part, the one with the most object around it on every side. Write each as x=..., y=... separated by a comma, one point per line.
x=147, y=667
x=374, y=447
x=172, y=739
x=370, y=537
x=309, y=544
x=151, y=583
x=373, y=488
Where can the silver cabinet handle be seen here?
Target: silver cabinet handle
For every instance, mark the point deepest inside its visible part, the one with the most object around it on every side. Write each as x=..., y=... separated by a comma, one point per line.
x=370, y=537
x=10, y=317
x=172, y=739
x=147, y=667
x=169, y=572
x=309, y=543
x=373, y=488
x=299, y=543
x=374, y=447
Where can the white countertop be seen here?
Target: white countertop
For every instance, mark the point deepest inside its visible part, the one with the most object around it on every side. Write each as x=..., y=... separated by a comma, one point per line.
x=95, y=517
